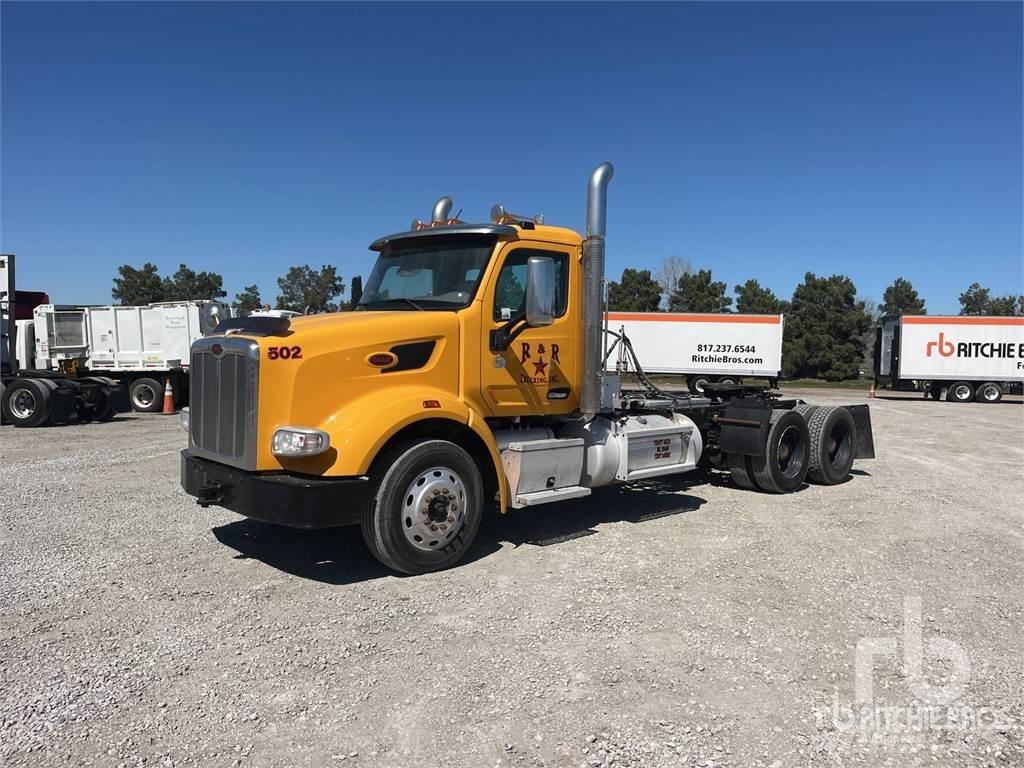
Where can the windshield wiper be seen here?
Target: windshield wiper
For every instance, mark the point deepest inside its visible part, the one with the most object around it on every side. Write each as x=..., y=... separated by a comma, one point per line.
x=410, y=302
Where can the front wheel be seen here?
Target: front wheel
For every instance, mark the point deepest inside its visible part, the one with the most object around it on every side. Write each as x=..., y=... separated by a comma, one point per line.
x=425, y=508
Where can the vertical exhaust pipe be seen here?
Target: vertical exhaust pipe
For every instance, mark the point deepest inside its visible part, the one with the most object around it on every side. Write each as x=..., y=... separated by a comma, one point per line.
x=593, y=289
x=442, y=210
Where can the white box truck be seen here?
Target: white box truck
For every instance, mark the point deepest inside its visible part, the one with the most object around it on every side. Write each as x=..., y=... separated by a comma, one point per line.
x=705, y=348
x=960, y=359
x=141, y=347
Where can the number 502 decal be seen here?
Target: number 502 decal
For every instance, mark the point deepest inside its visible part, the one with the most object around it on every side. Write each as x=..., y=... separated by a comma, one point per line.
x=284, y=353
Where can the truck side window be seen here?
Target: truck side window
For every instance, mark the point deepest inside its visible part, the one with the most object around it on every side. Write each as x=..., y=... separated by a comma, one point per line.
x=510, y=290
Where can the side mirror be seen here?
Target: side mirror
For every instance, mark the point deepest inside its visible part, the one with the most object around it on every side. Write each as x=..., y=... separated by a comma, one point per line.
x=540, y=291
x=357, y=289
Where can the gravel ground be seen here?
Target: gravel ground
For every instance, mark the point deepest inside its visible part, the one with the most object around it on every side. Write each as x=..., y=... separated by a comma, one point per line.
x=688, y=624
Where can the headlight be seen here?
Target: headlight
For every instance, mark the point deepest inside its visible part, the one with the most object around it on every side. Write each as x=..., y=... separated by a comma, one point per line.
x=300, y=441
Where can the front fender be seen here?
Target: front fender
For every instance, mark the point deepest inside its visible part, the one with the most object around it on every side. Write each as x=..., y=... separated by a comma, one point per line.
x=357, y=436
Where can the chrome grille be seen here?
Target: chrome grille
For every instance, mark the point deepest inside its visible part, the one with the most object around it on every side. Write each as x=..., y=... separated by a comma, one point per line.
x=223, y=387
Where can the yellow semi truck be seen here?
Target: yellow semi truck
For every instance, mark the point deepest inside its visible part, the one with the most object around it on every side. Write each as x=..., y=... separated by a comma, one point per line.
x=476, y=370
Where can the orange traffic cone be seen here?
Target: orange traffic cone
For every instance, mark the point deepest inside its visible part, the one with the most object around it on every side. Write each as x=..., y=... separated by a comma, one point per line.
x=168, y=398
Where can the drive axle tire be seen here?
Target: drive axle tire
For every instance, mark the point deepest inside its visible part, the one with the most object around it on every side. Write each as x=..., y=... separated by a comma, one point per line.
x=806, y=410
x=989, y=392
x=742, y=474
x=26, y=403
x=833, y=438
x=424, y=507
x=146, y=395
x=960, y=392
x=784, y=466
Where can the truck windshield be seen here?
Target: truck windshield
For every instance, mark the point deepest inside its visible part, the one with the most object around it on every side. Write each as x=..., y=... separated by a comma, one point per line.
x=435, y=275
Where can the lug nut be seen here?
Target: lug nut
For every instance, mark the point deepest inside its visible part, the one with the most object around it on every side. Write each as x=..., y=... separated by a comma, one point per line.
x=444, y=526
x=451, y=518
x=437, y=491
x=433, y=527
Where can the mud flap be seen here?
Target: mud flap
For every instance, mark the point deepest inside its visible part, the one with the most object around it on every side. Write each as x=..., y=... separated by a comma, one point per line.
x=865, y=447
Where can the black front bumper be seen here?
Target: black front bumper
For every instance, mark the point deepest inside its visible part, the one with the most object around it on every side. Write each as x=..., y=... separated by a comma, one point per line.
x=289, y=500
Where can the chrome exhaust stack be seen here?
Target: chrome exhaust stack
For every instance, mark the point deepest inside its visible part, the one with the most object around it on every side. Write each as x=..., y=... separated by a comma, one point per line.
x=442, y=210
x=593, y=290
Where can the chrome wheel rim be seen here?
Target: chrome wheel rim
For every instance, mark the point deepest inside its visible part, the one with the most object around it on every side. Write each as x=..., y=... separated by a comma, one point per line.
x=433, y=508
x=23, y=404
x=963, y=392
x=990, y=393
x=143, y=396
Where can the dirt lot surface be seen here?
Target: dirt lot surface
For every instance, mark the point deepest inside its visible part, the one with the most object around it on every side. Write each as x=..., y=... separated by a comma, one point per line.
x=685, y=624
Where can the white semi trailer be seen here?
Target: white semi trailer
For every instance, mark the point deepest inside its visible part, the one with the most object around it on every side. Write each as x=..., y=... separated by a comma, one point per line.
x=140, y=347
x=705, y=348
x=960, y=359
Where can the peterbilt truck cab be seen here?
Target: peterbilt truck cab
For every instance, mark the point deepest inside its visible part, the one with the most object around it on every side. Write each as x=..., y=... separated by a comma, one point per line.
x=472, y=372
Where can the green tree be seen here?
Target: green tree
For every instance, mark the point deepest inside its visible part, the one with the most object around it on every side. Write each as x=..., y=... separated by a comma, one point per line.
x=636, y=292
x=901, y=298
x=304, y=289
x=188, y=285
x=752, y=299
x=137, y=287
x=975, y=300
x=1005, y=306
x=825, y=327
x=247, y=301
x=696, y=292
x=979, y=301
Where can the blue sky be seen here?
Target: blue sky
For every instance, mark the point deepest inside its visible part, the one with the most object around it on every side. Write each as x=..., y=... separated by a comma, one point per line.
x=871, y=139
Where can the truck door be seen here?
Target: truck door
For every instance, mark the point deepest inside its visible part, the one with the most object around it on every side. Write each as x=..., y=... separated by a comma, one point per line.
x=537, y=373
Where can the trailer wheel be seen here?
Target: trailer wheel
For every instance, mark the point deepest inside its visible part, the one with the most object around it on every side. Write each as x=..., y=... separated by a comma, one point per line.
x=425, y=506
x=146, y=395
x=960, y=392
x=729, y=380
x=742, y=474
x=989, y=392
x=26, y=403
x=833, y=436
x=697, y=383
x=783, y=468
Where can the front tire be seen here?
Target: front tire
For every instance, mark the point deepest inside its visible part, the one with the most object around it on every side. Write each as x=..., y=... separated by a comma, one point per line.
x=425, y=508
x=960, y=392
